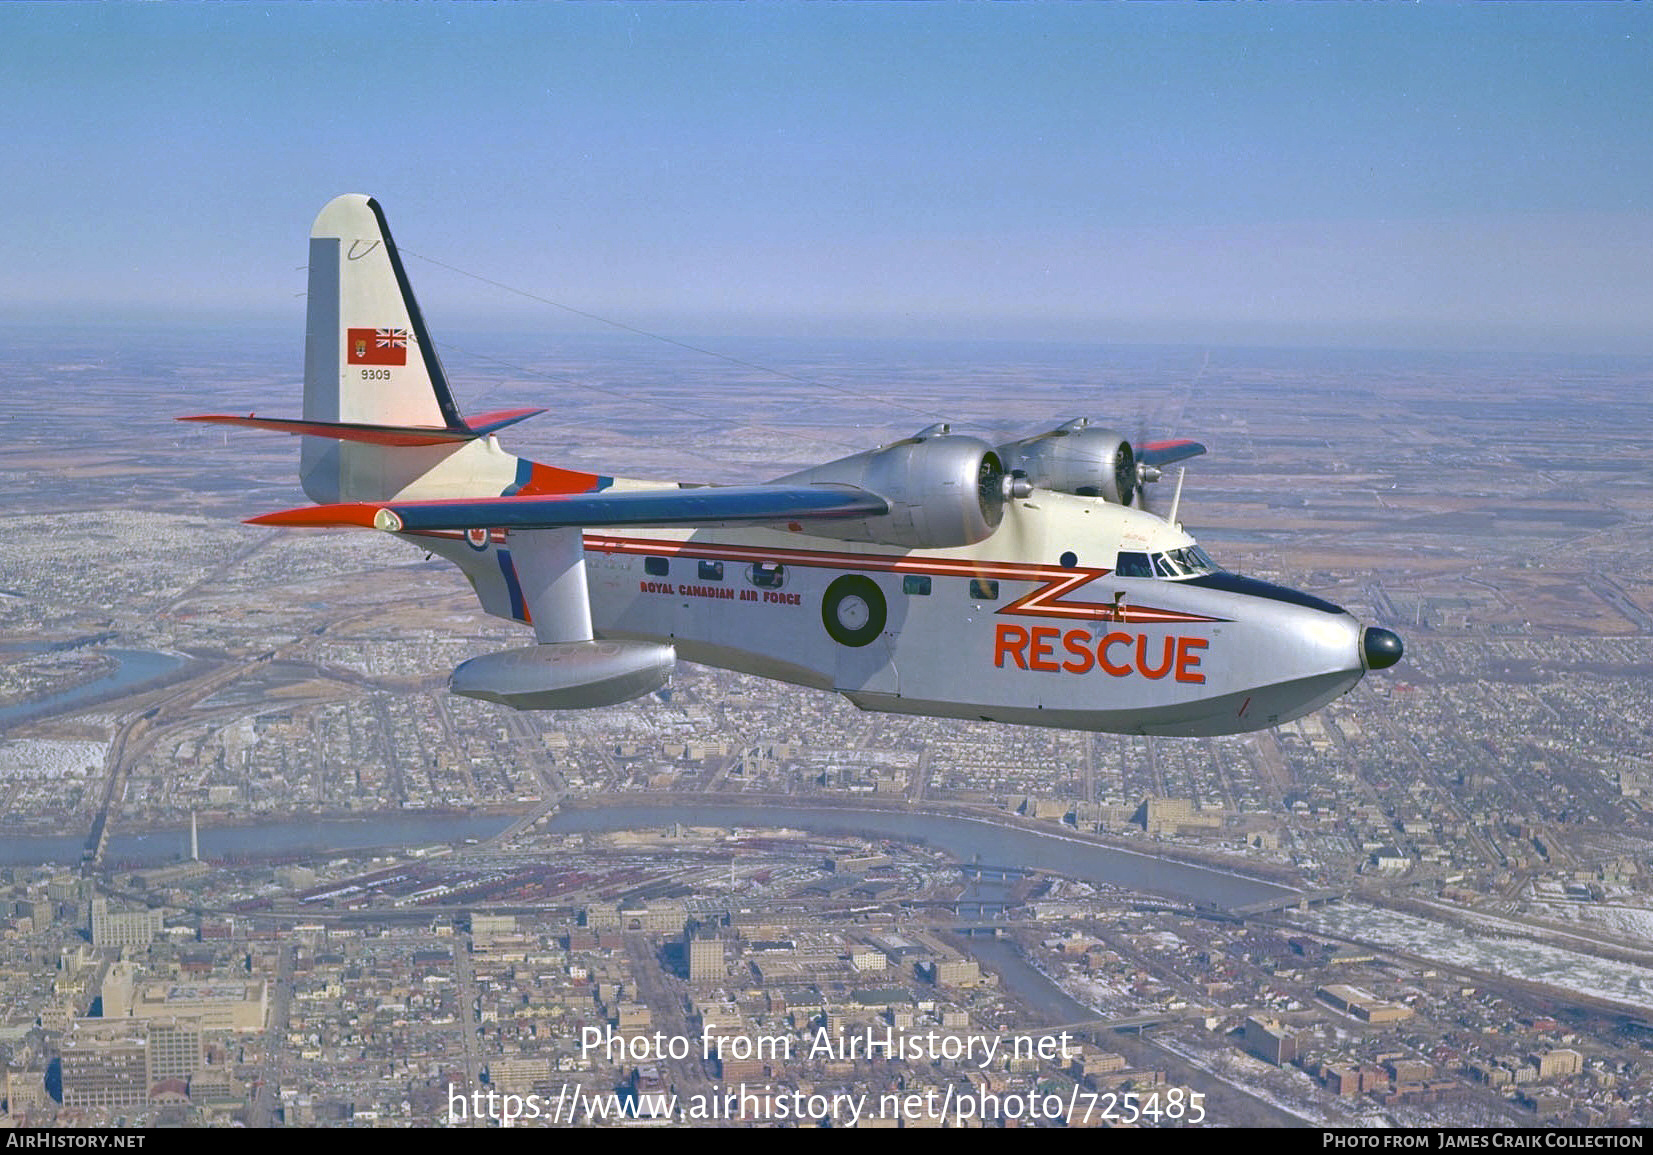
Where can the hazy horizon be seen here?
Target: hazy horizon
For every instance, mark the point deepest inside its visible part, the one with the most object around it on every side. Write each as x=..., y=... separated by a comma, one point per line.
x=287, y=331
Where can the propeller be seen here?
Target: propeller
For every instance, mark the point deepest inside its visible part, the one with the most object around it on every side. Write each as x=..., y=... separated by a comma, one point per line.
x=1094, y=461
x=1145, y=474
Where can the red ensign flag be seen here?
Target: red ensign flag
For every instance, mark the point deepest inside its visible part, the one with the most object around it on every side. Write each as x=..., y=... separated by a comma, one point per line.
x=377, y=346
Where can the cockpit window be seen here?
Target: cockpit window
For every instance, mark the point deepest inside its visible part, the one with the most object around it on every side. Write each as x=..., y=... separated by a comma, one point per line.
x=1196, y=560
x=1134, y=565
x=1174, y=564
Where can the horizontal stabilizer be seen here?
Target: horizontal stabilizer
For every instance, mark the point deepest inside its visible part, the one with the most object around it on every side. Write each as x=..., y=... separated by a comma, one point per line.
x=1160, y=453
x=398, y=435
x=701, y=506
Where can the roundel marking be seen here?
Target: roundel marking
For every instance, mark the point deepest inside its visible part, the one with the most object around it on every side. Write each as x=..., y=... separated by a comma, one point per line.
x=853, y=610
x=477, y=539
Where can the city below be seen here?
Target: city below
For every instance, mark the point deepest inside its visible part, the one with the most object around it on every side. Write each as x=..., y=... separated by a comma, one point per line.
x=258, y=867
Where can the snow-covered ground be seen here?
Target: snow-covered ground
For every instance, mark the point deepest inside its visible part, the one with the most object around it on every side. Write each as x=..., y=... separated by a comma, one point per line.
x=1257, y=1079
x=1102, y=997
x=1634, y=923
x=1496, y=949
x=50, y=758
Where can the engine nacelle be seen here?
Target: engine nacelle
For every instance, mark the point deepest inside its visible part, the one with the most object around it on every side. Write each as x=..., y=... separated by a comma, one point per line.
x=1077, y=458
x=565, y=675
x=944, y=491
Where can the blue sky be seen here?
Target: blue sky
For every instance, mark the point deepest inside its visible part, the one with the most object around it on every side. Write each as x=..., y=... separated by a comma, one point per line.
x=1367, y=175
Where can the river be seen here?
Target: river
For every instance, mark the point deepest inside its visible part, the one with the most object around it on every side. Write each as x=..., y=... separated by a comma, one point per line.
x=133, y=671
x=967, y=839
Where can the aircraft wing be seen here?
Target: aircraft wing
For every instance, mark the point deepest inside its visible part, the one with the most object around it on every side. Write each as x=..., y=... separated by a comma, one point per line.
x=699, y=506
x=1161, y=453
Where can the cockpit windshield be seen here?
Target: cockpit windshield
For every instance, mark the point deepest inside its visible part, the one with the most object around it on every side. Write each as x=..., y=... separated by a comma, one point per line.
x=1173, y=564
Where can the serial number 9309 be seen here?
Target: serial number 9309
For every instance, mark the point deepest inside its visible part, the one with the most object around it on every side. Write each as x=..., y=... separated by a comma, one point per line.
x=375, y=374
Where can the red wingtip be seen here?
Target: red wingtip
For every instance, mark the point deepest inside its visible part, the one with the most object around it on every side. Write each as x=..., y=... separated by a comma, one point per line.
x=349, y=515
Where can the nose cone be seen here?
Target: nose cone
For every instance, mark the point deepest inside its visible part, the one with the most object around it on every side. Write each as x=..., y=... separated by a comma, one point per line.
x=1381, y=648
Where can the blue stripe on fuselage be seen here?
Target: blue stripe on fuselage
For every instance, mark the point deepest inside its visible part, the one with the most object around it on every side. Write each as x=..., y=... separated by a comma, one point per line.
x=513, y=587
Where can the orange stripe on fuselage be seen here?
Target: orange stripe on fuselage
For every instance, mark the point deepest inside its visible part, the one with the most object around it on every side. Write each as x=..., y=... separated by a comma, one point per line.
x=549, y=481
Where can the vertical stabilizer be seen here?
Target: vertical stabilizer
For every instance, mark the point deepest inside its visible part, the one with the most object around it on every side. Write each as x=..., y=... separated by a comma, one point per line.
x=368, y=358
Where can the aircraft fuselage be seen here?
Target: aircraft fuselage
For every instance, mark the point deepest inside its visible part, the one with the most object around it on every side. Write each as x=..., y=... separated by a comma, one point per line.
x=1033, y=626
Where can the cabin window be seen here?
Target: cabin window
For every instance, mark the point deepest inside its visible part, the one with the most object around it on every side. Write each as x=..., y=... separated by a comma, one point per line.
x=984, y=589
x=656, y=566
x=766, y=575
x=915, y=584
x=711, y=571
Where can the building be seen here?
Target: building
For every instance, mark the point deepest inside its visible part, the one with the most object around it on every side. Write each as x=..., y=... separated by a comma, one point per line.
x=659, y=917
x=1390, y=860
x=157, y=877
x=1169, y=815
x=705, y=956
x=25, y=1089
x=852, y=863
x=68, y=888
x=220, y=1005
x=105, y=1065
x=519, y=1076
x=1341, y=1080
x=1270, y=1041
x=123, y=930
x=1092, y=1062
x=1489, y=1073
x=177, y=1049
x=1559, y=1064
x=630, y=1018
x=953, y=972
x=120, y=987
x=1408, y=1075
x=1356, y=1002
x=489, y=926
x=864, y=957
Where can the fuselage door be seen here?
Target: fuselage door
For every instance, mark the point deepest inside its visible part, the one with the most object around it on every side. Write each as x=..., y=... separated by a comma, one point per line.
x=856, y=615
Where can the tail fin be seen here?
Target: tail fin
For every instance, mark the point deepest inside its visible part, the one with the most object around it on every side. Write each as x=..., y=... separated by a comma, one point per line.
x=379, y=420
x=380, y=423
x=369, y=362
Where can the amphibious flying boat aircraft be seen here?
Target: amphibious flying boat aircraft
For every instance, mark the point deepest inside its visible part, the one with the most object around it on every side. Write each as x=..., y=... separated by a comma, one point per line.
x=937, y=575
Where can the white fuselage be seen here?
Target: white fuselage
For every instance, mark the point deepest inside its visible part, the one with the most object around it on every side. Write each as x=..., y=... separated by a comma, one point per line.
x=1033, y=625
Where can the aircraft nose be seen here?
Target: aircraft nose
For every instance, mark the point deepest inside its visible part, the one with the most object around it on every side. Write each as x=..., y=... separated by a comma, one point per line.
x=1381, y=648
